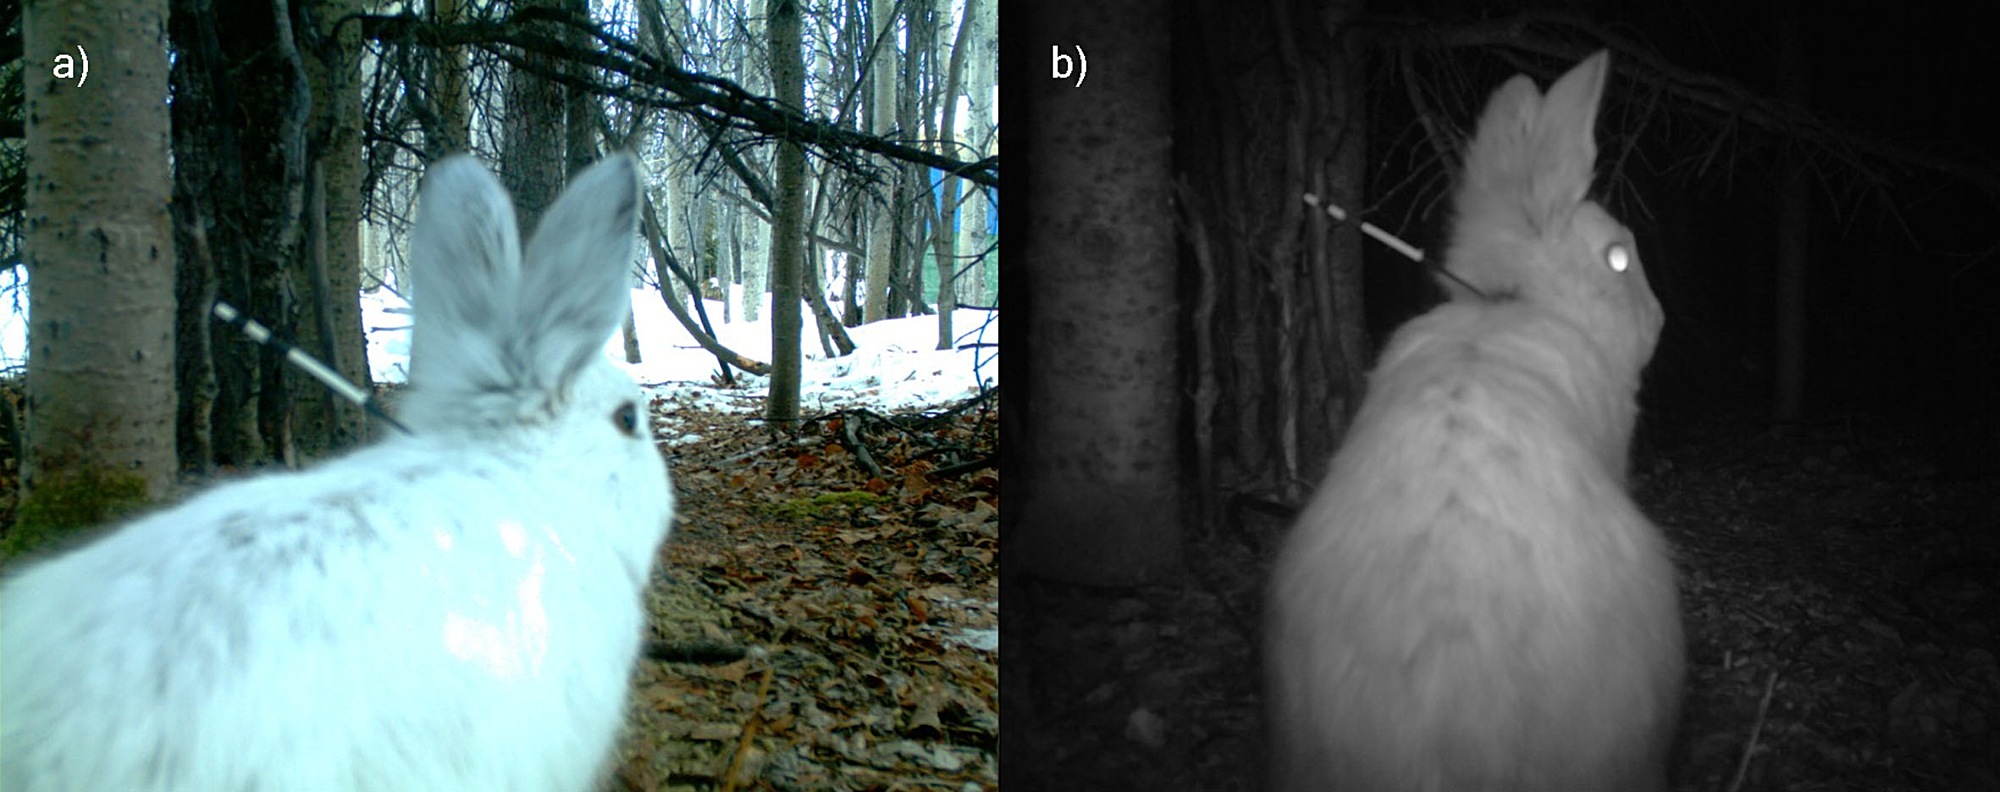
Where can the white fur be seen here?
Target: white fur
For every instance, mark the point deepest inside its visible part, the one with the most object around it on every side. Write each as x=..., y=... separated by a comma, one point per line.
x=457, y=609
x=1471, y=601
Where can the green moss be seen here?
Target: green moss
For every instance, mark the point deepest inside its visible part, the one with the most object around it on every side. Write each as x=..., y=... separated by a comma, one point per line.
x=825, y=506
x=64, y=505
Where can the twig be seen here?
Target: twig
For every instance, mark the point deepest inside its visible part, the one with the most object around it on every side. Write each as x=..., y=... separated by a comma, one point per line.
x=749, y=730
x=987, y=461
x=695, y=652
x=1756, y=729
x=859, y=448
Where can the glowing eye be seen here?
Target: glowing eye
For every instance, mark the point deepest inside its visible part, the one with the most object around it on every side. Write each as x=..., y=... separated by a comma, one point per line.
x=1618, y=257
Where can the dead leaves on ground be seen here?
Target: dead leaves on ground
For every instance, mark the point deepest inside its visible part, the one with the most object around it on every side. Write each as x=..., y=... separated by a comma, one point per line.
x=870, y=603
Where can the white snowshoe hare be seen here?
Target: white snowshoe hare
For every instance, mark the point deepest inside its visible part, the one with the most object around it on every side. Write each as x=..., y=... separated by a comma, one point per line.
x=457, y=609
x=1471, y=601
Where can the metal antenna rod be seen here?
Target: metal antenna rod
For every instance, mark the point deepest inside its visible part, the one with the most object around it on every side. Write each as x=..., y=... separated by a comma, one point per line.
x=347, y=390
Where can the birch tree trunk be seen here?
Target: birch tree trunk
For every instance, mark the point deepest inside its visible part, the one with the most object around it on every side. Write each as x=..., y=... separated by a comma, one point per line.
x=976, y=219
x=99, y=248
x=881, y=226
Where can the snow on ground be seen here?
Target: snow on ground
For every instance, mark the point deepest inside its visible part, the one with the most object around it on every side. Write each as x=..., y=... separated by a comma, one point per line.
x=895, y=364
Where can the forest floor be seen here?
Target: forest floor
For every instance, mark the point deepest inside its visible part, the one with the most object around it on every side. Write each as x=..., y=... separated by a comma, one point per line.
x=821, y=625
x=1840, y=591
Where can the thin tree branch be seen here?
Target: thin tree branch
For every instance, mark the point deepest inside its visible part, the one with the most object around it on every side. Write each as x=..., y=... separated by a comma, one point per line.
x=652, y=82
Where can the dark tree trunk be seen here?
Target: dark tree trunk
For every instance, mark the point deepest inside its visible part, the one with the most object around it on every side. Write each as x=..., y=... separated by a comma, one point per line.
x=233, y=149
x=534, y=149
x=1278, y=343
x=787, y=220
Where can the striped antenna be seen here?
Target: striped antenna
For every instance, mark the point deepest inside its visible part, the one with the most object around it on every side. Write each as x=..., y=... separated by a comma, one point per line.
x=347, y=390
x=1394, y=242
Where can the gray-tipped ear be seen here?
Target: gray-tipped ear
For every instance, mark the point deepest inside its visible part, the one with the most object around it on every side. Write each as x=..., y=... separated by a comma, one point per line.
x=576, y=277
x=465, y=271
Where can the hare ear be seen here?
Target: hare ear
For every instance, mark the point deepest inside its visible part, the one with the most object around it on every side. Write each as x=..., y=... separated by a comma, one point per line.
x=1510, y=115
x=465, y=254
x=1566, y=137
x=576, y=286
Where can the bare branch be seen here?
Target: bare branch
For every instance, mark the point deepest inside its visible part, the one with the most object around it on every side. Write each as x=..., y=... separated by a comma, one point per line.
x=652, y=82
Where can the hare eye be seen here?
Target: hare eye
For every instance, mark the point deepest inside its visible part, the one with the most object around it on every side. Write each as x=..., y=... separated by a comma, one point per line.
x=627, y=419
x=1618, y=257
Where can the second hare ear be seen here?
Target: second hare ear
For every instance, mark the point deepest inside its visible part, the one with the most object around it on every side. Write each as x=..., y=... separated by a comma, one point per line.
x=1567, y=131
x=576, y=284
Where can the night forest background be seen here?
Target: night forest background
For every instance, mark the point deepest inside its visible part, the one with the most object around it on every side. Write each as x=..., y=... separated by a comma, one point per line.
x=1814, y=196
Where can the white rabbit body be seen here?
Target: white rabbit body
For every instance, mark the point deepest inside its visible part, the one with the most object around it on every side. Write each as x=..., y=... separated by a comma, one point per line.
x=455, y=609
x=1471, y=601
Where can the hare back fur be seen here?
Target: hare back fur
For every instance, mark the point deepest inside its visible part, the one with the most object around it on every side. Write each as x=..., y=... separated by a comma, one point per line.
x=353, y=640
